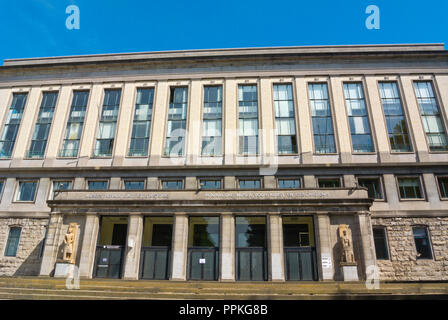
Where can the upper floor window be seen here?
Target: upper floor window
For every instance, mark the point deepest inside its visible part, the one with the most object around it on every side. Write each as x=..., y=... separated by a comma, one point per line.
x=12, y=243
x=397, y=127
x=422, y=243
x=75, y=124
x=380, y=240
x=177, y=122
x=43, y=124
x=431, y=117
x=373, y=185
x=329, y=182
x=321, y=118
x=61, y=185
x=247, y=119
x=141, y=127
x=26, y=190
x=249, y=183
x=212, y=121
x=12, y=124
x=2, y=183
x=285, y=119
x=97, y=184
x=172, y=184
x=134, y=184
x=443, y=186
x=212, y=184
x=108, y=122
x=358, y=118
x=410, y=188
x=288, y=183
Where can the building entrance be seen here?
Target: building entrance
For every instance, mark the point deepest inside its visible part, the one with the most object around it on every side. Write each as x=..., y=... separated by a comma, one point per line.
x=155, y=258
x=299, y=248
x=111, y=247
x=203, y=248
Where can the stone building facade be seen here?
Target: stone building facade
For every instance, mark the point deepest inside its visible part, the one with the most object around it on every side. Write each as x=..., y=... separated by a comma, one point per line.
x=229, y=164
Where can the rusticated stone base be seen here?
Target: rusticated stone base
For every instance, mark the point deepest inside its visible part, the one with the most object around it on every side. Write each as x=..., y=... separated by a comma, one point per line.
x=27, y=261
x=403, y=264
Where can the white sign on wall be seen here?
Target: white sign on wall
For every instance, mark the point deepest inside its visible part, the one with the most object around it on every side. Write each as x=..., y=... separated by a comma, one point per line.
x=326, y=260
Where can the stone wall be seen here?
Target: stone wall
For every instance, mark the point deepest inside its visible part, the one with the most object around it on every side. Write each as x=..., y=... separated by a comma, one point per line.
x=403, y=265
x=27, y=261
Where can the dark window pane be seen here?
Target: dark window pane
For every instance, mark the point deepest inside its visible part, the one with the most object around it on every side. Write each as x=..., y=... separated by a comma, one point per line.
x=422, y=243
x=288, y=183
x=409, y=188
x=172, y=184
x=134, y=185
x=13, y=241
x=329, y=183
x=379, y=237
x=443, y=186
x=250, y=232
x=204, y=232
x=210, y=184
x=249, y=184
x=97, y=185
x=27, y=191
x=373, y=186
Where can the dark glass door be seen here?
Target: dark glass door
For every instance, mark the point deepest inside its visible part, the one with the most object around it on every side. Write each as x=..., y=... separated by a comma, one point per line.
x=111, y=247
x=251, y=253
x=299, y=248
x=155, y=258
x=203, y=248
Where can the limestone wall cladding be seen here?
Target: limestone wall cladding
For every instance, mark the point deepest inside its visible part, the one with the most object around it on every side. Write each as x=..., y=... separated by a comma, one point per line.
x=403, y=265
x=27, y=261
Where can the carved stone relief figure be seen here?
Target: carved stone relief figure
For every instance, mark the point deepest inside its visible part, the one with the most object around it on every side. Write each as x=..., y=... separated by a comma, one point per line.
x=345, y=240
x=69, y=244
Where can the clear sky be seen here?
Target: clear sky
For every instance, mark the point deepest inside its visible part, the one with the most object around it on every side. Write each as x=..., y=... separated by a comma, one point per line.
x=37, y=28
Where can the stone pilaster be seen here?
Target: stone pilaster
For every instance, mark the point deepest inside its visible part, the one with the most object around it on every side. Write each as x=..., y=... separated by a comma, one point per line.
x=367, y=243
x=88, y=247
x=325, y=261
x=51, y=245
x=179, y=259
x=227, y=249
x=275, y=249
x=133, y=247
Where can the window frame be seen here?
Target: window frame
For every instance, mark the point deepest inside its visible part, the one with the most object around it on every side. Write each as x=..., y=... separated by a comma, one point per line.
x=283, y=177
x=124, y=180
x=260, y=179
x=162, y=179
x=339, y=177
x=428, y=235
x=97, y=179
x=52, y=181
x=421, y=185
x=386, y=240
x=381, y=184
x=212, y=83
x=8, y=237
x=17, y=190
x=438, y=186
x=199, y=179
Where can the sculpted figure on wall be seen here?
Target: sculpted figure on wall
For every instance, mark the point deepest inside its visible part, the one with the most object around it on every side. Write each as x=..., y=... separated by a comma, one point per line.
x=69, y=243
x=345, y=238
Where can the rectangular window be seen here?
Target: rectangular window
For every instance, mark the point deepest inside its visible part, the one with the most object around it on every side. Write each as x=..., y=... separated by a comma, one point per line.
x=212, y=121
x=397, y=127
x=177, y=122
x=172, y=184
x=285, y=119
x=134, y=184
x=2, y=183
x=75, y=124
x=212, y=184
x=329, y=182
x=380, y=240
x=12, y=124
x=443, y=186
x=97, y=184
x=141, y=127
x=61, y=185
x=358, y=118
x=249, y=183
x=43, y=124
x=373, y=185
x=431, y=117
x=27, y=191
x=247, y=119
x=321, y=118
x=12, y=243
x=422, y=244
x=410, y=188
x=288, y=183
x=108, y=122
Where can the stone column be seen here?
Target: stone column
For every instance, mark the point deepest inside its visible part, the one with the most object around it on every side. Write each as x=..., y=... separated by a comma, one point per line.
x=275, y=248
x=88, y=247
x=133, y=247
x=227, y=249
x=325, y=261
x=179, y=258
x=367, y=243
x=51, y=245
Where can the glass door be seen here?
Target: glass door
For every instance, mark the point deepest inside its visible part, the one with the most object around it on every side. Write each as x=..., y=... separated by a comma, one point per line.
x=111, y=247
x=203, y=248
x=299, y=248
x=250, y=248
x=155, y=258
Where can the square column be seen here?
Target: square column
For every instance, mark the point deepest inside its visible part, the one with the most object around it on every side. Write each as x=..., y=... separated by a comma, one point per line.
x=51, y=245
x=179, y=258
x=275, y=248
x=324, y=253
x=227, y=249
x=133, y=247
x=88, y=247
x=367, y=243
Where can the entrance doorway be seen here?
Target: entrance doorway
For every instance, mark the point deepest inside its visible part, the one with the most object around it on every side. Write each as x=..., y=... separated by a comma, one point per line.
x=111, y=247
x=299, y=248
x=203, y=248
x=155, y=258
x=250, y=248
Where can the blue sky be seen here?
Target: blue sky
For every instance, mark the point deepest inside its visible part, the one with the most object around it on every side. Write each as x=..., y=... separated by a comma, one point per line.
x=36, y=28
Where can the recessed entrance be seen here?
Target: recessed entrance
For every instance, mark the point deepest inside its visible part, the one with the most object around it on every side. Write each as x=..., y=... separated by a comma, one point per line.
x=250, y=248
x=156, y=248
x=299, y=248
x=203, y=248
x=111, y=247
